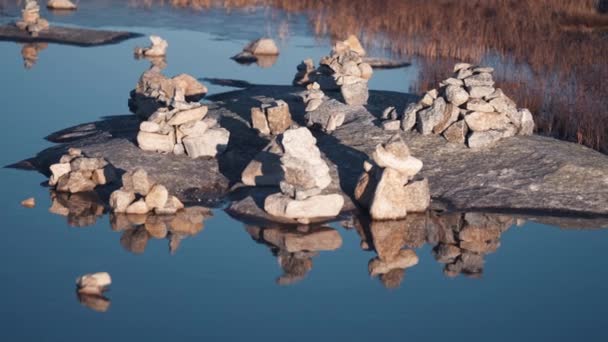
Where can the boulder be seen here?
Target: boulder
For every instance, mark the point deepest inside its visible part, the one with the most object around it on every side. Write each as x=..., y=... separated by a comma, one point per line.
x=212, y=143
x=456, y=95
x=279, y=117
x=156, y=142
x=355, y=94
x=157, y=197
x=120, y=200
x=457, y=132
x=319, y=206
x=430, y=117
x=262, y=46
x=485, y=121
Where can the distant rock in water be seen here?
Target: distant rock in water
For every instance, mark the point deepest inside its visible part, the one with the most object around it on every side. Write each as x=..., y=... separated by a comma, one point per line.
x=61, y=5
x=29, y=202
x=157, y=49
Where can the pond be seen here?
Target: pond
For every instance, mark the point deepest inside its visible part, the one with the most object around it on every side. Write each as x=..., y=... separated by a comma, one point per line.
x=537, y=280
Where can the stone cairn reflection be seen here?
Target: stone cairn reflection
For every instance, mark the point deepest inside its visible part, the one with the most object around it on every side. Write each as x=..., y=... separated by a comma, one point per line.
x=30, y=52
x=141, y=194
x=466, y=109
x=158, y=48
x=295, y=247
x=305, y=176
x=463, y=240
x=271, y=118
x=81, y=209
x=31, y=20
x=389, y=187
x=77, y=173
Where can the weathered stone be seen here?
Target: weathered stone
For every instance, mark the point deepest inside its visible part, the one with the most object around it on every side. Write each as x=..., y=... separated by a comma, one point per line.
x=197, y=129
x=190, y=85
x=483, y=79
x=58, y=170
x=484, y=121
x=87, y=164
x=483, y=70
x=190, y=115
x=262, y=46
x=104, y=176
x=450, y=115
x=484, y=139
x=78, y=182
x=460, y=66
x=157, y=49
x=355, y=94
x=429, y=118
x=210, y=144
x=265, y=168
x=319, y=206
x=149, y=126
x=137, y=181
x=456, y=95
x=120, y=200
x=479, y=105
x=417, y=196
x=258, y=121
x=313, y=104
x=396, y=155
x=61, y=5
x=172, y=206
x=457, y=132
x=29, y=202
x=480, y=92
x=391, y=125
x=463, y=73
x=155, y=142
x=278, y=116
x=138, y=207
x=453, y=81
x=405, y=259
x=387, y=113
x=388, y=199
x=526, y=126
x=157, y=197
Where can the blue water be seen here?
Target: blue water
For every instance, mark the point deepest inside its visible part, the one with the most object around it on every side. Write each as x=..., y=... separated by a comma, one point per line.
x=543, y=283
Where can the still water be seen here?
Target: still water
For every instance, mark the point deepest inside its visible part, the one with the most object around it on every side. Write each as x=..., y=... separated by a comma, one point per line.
x=543, y=283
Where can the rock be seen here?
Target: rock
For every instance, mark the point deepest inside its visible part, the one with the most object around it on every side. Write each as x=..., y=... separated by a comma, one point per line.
x=305, y=70
x=61, y=5
x=138, y=207
x=149, y=127
x=354, y=44
x=480, y=92
x=262, y=46
x=463, y=73
x=94, y=283
x=388, y=113
x=457, y=132
x=58, y=170
x=212, y=143
x=431, y=117
x=313, y=104
x=87, y=164
x=279, y=118
x=366, y=71
x=265, y=168
x=104, y=176
x=137, y=181
x=391, y=125
x=319, y=206
x=453, y=81
x=450, y=115
x=456, y=95
x=503, y=104
x=171, y=207
x=483, y=79
x=526, y=126
x=187, y=116
x=355, y=94
x=79, y=182
x=259, y=122
x=395, y=154
x=484, y=121
x=191, y=86
x=483, y=70
x=157, y=197
x=417, y=196
x=405, y=259
x=460, y=66
x=388, y=199
x=409, y=116
x=156, y=142
x=120, y=200
x=479, y=105
x=484, y=139
x=157, y=49
x=29, y=202
x=198, y=129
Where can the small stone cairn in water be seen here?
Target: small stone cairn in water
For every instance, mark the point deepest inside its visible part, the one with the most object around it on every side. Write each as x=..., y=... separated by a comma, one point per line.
x=157, y=49
x=271, y=118
x=388, y=187
x=31, y=20
x=293, y=162
x=466, y=109
x=183, y=128
x=140, y=194
x=77, y=173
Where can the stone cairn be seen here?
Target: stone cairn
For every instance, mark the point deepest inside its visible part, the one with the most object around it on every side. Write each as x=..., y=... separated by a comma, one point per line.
x=313, y=97
x=343, y=69
x=61, y=5
x=77, y=173
x=157, y=49
x=271, y=118
x=388, y=187
x=466, y=109
x=140, y=194
x=183, y=128
x=31, y=20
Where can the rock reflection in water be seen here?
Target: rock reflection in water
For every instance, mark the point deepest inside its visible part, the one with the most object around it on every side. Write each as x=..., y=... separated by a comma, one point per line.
x=295, y=247
x=30, y=52
x=81, y=209
x=138, y=229
x=97, y=303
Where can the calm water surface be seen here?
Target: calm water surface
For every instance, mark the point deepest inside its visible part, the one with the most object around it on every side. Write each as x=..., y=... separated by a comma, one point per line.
x=543, y=283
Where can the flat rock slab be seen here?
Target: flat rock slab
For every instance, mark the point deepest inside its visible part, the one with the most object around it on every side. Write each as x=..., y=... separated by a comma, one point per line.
x=526, y=175
x=65, y=35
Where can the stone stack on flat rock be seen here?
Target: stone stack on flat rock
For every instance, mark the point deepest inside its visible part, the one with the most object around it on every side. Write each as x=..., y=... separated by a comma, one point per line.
x=271, y=118
x=31, y=20
x=263, y=51
x=155, y=90
x=78, y=173
x=293, y=162
x=348, y=72
x=351, y=43
x=158, y=48
x=183, y=128
x=305, y=71
x=467, y=109
x=327, y=120
x=140, y=194
x=388, y=187
x=391, y=119
x=61, y=5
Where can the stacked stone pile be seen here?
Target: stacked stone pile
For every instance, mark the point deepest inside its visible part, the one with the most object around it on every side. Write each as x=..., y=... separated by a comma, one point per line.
x=140, y=194
x=183, y=128
x=321, y=112
x=77, y=173
x=313, y=96
x=346, y=71
x=271, y=118
x=388, y=187
x=467, y=109
x=31, y=20
x=158, y=48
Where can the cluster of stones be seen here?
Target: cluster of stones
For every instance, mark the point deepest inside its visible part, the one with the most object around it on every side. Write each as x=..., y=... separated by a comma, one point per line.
x=293, y=162
x=77, y=173
x=329, y=118
x=295, y=248
x=137, y=230
x=467, y=109
x=158, y=48
x=271, y=118
x=61, y=5
x=31, y=20
x=183, y=128
x=344, y=69
x=388, y=187
x=313, y=97
x=467, y=240
x=140, y=194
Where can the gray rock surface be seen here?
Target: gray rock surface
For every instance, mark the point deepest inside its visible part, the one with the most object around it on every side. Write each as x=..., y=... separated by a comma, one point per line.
x=65, y=35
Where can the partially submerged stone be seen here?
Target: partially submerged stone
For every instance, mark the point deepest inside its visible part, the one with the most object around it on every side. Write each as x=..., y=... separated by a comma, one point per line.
x=93, y=284
x=158, y=48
